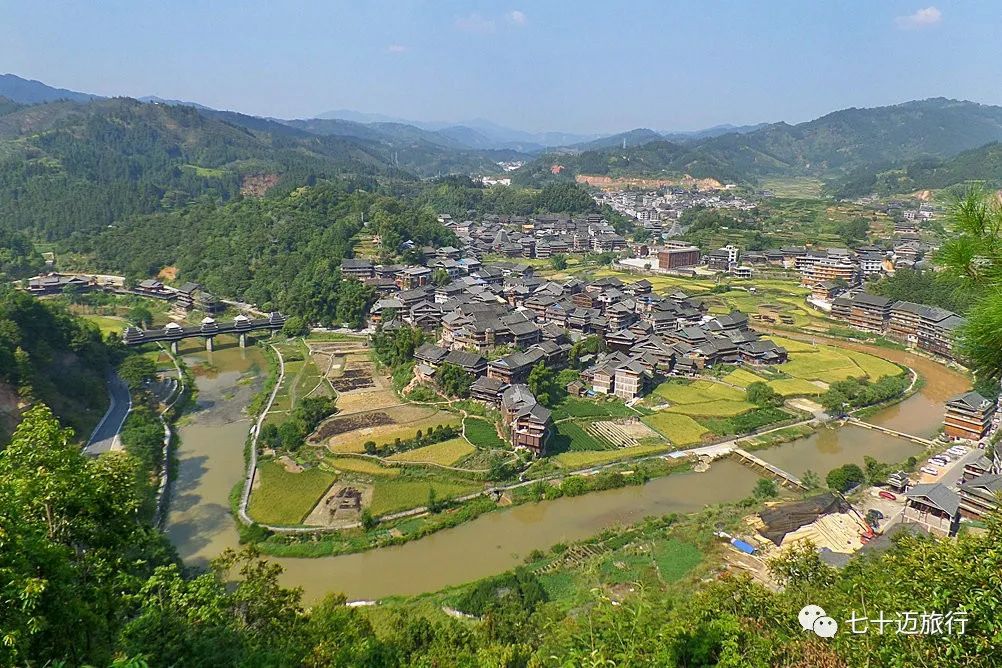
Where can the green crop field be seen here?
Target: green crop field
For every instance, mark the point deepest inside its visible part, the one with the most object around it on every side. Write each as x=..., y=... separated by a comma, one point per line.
x=482, y=433
x=392, y=495
x=285, y=498
x=570, y=436
x=675, y=559
x=581, y=459
x=679, y=429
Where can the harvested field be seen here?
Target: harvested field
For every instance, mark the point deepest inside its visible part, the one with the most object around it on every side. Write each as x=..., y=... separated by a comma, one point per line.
x=341, y=425
x=353, y=379
x=403, y=422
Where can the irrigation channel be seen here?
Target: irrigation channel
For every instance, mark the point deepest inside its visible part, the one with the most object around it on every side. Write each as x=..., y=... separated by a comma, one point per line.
x=211, y=463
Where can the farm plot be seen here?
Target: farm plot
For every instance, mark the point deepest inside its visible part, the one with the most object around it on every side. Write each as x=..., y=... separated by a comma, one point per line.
x=583, y=458
x=482, y=433
x=722, y=408
x=697, y=392
x=874, y=367
x=366, y=466
x=392, y=495
x=281, y=497
x=446, y=453
x=349, y=433
x=792, y=387
x=679, y=429
x=741, y=378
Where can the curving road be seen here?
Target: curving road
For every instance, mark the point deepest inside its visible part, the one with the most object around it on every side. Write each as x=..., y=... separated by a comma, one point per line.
x=105, y=435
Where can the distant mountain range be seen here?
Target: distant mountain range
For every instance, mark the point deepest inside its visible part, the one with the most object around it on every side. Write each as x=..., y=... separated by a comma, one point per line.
x=843, y=144
x=919, y=144
x=29, y=91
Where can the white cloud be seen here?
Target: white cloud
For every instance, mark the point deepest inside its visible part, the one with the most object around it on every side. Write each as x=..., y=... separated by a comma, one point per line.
x=517, y=17
x=396, y=48
x=475, y=23
x=922, y=18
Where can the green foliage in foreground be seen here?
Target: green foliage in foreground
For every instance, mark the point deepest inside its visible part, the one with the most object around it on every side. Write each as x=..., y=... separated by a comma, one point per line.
x=85, y=583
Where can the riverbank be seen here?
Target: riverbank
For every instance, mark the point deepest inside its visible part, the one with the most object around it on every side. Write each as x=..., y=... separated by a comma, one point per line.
x=211, y=462
x=421, y=520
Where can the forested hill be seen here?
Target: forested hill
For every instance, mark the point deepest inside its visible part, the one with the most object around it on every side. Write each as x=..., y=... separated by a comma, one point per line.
x=979, y=164
x=49, y=356
x=282, y=252
x=67, y=167
x=828, y=147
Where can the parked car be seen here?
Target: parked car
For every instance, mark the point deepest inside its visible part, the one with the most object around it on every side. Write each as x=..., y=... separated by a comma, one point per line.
x=958, y=451
x=884, y=494
x=939, y=461
x=929, y=470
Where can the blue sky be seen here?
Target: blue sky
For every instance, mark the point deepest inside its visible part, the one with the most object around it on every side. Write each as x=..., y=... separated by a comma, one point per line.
x=578, y=66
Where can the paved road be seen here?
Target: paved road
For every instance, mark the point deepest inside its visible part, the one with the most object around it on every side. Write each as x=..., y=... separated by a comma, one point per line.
x=105, y=436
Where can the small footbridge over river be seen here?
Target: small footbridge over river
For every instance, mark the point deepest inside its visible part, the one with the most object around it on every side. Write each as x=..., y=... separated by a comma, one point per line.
x=785, y=478
x=900, y=434
x=209, y=328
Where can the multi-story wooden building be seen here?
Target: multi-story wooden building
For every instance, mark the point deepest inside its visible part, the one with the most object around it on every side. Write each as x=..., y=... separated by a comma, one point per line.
x=675, y=258
x=968, y=416
x=530, y=423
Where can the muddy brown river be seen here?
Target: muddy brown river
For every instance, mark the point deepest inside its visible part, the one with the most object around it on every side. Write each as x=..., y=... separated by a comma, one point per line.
x=211, y=463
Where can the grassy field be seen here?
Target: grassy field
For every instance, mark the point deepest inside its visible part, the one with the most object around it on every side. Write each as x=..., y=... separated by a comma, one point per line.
x=700, y=391
x=482, y=433
x=395, y=494
x=722, y=408
x=445, y=453
x=675, y=559
x=285, y=498
x=107, y=324
x=583, y=458
x=576, y=407
x=681, y=430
